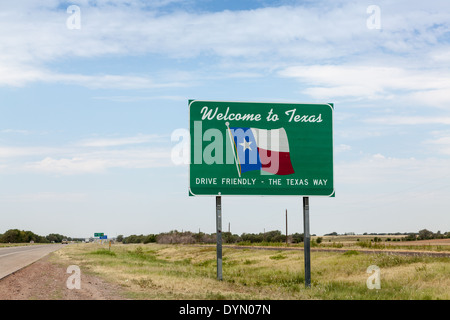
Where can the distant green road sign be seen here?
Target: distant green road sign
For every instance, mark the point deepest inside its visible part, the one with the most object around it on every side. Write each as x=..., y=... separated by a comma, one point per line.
x=98, y=234
x=254, y=148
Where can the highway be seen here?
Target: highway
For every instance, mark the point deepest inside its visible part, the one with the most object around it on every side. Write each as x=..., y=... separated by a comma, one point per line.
x=16, y=258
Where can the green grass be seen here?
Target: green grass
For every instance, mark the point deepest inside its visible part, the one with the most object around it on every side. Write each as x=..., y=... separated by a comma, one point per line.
x=155, y=271
x=351, y=253
x=103, y=252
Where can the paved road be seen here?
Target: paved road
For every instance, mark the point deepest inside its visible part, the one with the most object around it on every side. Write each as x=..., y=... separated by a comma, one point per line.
x=15, y=258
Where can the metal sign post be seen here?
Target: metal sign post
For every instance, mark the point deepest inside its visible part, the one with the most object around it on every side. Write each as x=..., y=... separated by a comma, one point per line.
x=219, y=236
x=307, y=244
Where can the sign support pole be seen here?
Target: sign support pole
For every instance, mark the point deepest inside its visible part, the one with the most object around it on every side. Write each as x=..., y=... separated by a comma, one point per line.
x=307, y=244
x=286, y=230
x=219, y=236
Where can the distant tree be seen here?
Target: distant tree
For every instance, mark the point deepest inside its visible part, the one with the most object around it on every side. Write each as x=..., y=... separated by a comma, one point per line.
x=150, y=238
x=252, y=237
x=134, y=239
x=21, y=236
x=57, y=238
x=228, y=237
x=275, y=236
x=119, y=238
x=297, y=237
x=12, y=235
x=425, y=234
x=410, y=237
x=199, y=236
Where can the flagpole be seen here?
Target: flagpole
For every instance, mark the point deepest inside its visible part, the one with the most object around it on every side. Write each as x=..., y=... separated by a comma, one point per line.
x=307, y=242
x=232, y=143
x=219, y=236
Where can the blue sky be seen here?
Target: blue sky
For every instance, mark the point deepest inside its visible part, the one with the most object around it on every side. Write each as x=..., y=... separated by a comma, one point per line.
x=88, y=112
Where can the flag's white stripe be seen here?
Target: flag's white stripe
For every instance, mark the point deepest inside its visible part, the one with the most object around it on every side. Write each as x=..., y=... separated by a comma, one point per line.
x=274, y=140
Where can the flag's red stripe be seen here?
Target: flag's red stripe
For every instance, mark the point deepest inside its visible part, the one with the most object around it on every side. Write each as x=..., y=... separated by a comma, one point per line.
x=276, y=162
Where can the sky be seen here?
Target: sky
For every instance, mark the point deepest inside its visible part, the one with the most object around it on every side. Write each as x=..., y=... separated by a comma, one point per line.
x=91, y=93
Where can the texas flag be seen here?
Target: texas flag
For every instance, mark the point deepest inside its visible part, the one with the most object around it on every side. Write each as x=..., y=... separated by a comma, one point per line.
x=261, y=149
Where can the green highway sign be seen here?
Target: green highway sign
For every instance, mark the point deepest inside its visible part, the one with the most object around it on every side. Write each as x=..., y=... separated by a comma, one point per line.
x=256, y=148
x=98, y=234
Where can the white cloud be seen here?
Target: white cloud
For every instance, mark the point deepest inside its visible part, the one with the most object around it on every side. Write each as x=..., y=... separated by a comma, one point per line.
x=441, y=143
x=135, y=98
x=33, y=36
x=408, y=120
x=111, y=142
x=379, y=192
x=101, y=161
x=379, y=171
x=94, y=155
x=439, y=98
x=75, y=165
x=342, y=148
x=44, y=197
x=371, y=82
x=16, y=152
x=25, y=132
x=108, y=81
x=19, y=75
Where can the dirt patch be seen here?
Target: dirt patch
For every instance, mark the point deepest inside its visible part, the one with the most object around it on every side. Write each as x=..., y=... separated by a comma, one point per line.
x=45, y=280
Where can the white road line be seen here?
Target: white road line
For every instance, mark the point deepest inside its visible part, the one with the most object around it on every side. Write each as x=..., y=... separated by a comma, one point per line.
x=21, y=250
x=7, y=254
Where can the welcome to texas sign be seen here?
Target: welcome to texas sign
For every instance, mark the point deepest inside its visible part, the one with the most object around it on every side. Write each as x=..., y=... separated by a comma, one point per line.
x=255, y=148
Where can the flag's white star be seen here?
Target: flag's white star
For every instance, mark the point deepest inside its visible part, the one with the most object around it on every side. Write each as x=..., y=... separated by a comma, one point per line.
x=245, y=145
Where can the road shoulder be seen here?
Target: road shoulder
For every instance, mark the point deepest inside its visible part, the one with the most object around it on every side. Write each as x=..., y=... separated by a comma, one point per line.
x=46, y=280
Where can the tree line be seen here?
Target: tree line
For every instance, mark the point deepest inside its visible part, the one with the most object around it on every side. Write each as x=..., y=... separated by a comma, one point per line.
x=21, y=236
x=274, y=236
x=423, y=234
x=188, y=237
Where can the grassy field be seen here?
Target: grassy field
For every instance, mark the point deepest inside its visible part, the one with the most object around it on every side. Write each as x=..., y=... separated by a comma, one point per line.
x=389, y=242
x=155, y=271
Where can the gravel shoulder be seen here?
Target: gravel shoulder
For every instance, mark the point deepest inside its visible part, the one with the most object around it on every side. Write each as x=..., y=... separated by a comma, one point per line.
x=46, y=280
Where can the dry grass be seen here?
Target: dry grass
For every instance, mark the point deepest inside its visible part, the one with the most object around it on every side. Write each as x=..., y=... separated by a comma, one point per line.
x=155, y=271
